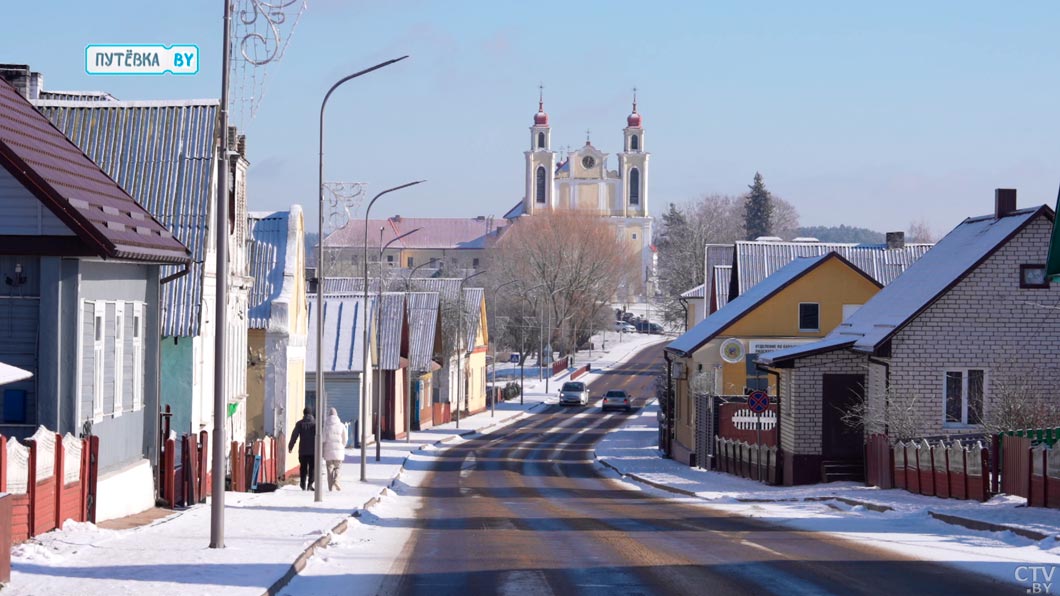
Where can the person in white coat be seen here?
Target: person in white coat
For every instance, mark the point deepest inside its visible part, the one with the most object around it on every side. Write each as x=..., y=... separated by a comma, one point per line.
x=335, y=437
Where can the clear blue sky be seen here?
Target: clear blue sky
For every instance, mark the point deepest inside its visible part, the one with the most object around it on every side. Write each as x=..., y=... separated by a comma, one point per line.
x=870, y=115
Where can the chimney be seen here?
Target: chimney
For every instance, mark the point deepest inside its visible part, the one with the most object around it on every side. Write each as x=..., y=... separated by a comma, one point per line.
x=396, y=218
x=1004, y=202
x=28, y=83
x=241, y=146
x=895, y=240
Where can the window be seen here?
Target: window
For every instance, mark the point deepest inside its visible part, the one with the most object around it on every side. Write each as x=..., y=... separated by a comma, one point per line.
x=99, y=310
x=634, y=235
x=1033, y=276
x=539, y=185
x=408, y=263
x=390, y=260
x=963, y=396
x=757, y=380
x=634, y=186
x=634, y=143
x=809, y=316
x=474, y=263
x=540, y=140
x=118, y=352
x=138, y=357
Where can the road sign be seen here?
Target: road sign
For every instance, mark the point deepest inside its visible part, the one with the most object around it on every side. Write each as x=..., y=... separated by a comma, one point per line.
x=758, y=401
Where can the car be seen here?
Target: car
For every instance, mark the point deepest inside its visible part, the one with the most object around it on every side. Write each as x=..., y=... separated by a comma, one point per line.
x=624, y=327
x=647, y=327
x=574, y=392
x=616, y=398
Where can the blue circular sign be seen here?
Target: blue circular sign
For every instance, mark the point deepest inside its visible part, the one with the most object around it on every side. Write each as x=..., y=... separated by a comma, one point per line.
x=758, y=401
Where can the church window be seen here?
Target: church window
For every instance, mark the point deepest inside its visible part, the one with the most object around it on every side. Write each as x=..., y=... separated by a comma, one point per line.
x=634, y=186
x=634, y=143
x=540, y=140
x=539, y=185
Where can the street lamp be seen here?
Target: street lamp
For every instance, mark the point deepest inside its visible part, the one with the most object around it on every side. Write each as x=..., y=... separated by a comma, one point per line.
x=462, y=334
x=364, y=344
x=318, y=448
x=378, y=362
x=495, y=294
x=412, y=273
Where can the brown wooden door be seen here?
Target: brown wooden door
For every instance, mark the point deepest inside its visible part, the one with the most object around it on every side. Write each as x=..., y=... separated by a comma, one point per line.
x=838, y=440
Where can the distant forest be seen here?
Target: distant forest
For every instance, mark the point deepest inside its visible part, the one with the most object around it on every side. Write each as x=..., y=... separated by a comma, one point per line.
x=841, y=233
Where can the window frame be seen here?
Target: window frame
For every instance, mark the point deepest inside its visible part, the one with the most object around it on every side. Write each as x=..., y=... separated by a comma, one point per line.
x=118, y=359
x=540, y=179
x=634, y=186
x=1024, y=284
x=138, y=357
x=963, y=423
x=99, y=335
x=816, y=329
x=634, y=142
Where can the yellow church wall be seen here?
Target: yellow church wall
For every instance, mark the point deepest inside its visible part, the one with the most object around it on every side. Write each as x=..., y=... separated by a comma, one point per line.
x=256, y=384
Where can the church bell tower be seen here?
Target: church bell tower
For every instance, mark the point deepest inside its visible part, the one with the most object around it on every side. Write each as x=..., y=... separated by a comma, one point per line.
x=633, y=165
x=540, y=163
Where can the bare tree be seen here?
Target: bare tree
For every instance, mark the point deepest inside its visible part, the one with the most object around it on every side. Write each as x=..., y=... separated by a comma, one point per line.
x=885, y=411
x=920, y=231
x=1017, y=399
x=578, y=260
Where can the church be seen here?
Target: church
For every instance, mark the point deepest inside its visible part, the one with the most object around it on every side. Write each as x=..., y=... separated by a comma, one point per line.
x=582, y=182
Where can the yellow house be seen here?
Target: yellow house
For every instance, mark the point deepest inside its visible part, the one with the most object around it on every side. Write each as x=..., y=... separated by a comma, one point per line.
x=276, y=335
x=477, y=345
x=802, y=302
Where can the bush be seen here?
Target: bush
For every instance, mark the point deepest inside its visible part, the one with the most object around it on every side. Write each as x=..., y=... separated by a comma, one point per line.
x=511, y=390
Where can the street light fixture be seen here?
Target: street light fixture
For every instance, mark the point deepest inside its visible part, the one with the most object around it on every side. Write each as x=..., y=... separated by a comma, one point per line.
x=460, y=348
x=378, y=402
x=495, y=294
x=318, y=448
x=364, y=344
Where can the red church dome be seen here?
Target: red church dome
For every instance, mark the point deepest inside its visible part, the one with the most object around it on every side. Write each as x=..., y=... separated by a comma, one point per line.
x=634, y=120
x=540, y=118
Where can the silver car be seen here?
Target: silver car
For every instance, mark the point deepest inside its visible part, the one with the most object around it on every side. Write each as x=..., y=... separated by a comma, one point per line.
x=574, y=392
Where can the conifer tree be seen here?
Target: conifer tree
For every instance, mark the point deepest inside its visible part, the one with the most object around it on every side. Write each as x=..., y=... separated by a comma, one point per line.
x=759, y=209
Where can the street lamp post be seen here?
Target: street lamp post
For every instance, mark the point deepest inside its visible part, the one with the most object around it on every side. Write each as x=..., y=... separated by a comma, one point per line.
x=462, y=334
x=364, y=343
x=495, y=294
x=549, y=340
x=378, y=361
x=318, y=448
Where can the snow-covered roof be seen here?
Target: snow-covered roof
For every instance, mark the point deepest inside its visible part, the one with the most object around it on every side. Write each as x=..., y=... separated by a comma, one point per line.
x=696, y=292
x=343, y=320
x=448, y=233
x=12, y=374
x=926, y=280
x=722, y=277
x=715, y=324
x=271, y=251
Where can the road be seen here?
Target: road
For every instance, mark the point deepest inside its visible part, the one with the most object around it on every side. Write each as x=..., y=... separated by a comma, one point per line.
x=524, y=511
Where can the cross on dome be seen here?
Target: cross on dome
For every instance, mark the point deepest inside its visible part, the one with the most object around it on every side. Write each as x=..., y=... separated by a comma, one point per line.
x=540, y=118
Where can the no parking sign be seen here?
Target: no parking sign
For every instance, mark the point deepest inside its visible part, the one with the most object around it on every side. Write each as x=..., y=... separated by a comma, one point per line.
x=758, y=401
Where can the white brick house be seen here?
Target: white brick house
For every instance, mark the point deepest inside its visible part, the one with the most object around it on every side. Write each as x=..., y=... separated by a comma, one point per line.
x=974, y=315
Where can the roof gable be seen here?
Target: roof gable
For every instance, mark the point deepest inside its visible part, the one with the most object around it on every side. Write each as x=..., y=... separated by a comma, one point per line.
x=269, y=235
x=342, y=340
x=76, y=190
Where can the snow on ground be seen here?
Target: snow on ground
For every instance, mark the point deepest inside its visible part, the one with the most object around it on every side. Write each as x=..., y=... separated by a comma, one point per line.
x=908, y=529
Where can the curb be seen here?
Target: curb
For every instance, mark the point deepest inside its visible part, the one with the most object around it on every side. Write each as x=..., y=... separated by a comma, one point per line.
x=302, y=559
x=642, y=480
x=974, y=524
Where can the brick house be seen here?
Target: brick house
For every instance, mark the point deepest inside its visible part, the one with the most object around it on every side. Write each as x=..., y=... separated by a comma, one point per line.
x=930, y=352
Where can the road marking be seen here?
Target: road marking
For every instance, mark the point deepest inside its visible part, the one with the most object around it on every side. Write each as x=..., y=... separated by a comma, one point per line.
x=764, y=548
x=521, y=583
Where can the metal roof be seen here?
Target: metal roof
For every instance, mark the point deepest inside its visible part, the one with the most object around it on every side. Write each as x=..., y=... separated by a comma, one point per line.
x=926, y=280
x=716, y=255
x=448, y=287
x=423, y=308
x=757, y=260
x=162, y=153
x=716, y=323
x=432, y=233
x=696, y=292
x=722, y=278
x=342, y=340
x=102, y=214
x=473, y=298
x=392, y=323
x=270, y=238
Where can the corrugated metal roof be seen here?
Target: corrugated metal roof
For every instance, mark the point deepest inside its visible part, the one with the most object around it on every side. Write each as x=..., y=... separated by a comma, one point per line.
x=98, y=210
x=755, y=261
x=267, y=254
x=716, y=255
x=423, y=328
x=473, y=298
x=448, y=287
x=342, y=340
x=162, y=153
x=716, y=323
x=433, y=233
x=922, y=284
x=391, y=322
x=696, y=292
x=722, y=278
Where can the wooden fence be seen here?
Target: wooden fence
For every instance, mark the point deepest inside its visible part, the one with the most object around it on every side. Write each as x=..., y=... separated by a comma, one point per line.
x=261, y=463
x=937, y=469
x=560, y=365
x=579, y=372
x=50, y=479
x=757, y=462
x=185, y=473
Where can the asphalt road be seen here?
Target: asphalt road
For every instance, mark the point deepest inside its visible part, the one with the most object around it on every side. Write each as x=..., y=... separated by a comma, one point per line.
x=524, y=511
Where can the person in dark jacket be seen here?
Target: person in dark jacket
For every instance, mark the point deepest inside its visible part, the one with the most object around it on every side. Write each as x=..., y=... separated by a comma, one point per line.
x=306, y=431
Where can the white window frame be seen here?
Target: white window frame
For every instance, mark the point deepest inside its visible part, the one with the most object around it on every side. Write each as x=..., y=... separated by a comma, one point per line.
x=138, y=356
x=799, y=315
x=99, y=318
x=118, y=358
x=964, y=397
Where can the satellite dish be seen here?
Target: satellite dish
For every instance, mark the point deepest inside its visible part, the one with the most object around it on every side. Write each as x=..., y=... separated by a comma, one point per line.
x=732, y=350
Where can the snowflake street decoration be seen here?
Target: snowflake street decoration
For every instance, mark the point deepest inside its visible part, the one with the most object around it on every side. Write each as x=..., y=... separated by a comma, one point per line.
x=341, y=199
x=261, y=31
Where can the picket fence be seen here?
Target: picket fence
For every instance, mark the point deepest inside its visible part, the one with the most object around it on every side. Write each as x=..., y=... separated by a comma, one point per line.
x=260, y=464
x=757, y=462
x=50, y=478
x=184, y=474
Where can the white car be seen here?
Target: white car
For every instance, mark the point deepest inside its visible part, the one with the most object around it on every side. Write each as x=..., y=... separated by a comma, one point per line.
x=624, y=327
x=574, y=392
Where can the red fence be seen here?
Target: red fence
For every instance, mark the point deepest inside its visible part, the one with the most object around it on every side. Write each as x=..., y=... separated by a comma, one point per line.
x=185, y=481
x=948, y=471
x=757, y=462
x=50, y=479
x=579, y=372
x=560, y=365
x=259, y=463
x=737, y=422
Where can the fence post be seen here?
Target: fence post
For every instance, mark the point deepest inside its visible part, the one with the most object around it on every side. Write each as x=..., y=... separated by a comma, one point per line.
x=995, y=464
x=60, y=479
x=3, y=464
x=205, y=480
x=31, y=486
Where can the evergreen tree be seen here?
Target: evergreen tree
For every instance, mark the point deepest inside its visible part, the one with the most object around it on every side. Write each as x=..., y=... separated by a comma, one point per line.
x=759, y=210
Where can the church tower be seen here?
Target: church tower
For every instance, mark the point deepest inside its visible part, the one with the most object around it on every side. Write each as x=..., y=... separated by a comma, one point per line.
x=633, y=166
x=540, y=163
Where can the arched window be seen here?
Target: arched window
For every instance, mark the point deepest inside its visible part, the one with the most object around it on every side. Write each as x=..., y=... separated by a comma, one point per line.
x=539, y=184
x=634, y=143
x=634, y=186
x=540, y=140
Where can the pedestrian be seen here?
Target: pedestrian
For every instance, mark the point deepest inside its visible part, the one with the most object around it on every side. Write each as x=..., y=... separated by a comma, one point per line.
x=335, y=437
x=305, y=431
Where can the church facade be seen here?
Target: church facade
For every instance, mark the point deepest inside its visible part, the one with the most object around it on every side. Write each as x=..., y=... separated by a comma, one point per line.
x=582, y=181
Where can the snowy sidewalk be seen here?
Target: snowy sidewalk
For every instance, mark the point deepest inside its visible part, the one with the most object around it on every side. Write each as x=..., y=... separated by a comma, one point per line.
x=265, y=533
x=892, y=519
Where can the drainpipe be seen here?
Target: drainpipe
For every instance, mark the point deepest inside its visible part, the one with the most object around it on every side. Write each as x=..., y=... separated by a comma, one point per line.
x=668, y=437
x=175, y=276
x=684, y=306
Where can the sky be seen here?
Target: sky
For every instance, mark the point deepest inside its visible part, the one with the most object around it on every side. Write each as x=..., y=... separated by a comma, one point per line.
x=865, y=114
